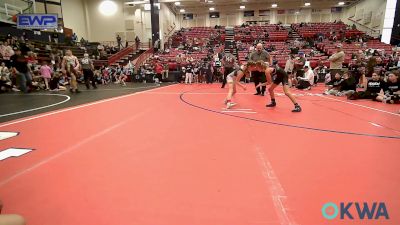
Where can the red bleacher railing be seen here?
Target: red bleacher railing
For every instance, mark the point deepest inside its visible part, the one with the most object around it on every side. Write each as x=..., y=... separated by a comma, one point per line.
x=120, y=54
x=142, y=58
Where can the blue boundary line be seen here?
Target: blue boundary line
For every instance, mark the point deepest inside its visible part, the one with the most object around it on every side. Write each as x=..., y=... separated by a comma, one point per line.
x=284, y=124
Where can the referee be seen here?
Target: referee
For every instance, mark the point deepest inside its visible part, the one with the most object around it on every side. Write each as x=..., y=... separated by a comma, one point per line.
x=259, y=77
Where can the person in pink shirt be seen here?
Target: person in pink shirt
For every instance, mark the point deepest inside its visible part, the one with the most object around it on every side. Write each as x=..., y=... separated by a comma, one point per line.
x=46, y=72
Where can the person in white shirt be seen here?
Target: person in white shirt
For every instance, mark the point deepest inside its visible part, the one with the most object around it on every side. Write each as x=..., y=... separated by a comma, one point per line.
x=307, y=81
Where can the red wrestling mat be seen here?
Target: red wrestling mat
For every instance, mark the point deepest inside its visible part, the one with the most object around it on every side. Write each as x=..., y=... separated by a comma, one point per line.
x=174, y=156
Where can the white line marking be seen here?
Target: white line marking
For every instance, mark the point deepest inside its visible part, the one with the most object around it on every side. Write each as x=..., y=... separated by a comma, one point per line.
x=275, y=188
x=13, y=152
x=374, y=124
x=118, y=89
x=42, y=107
x=233, y=111
x=76, y=107
x=355, y=104
x=5, y=135
x=363, y=106
x=71, y=148
x=239, y=109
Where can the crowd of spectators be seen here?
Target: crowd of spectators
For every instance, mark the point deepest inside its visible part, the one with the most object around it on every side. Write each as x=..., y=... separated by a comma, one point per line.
x=345, y=60
x=21, y=69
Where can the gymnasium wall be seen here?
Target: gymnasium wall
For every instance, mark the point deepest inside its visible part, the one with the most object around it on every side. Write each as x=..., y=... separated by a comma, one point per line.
x=366, y=15
x=232, y=18
x=84, y=17
x=74, y=17
x=103, y=28
x=168, y=23
x=138, y=22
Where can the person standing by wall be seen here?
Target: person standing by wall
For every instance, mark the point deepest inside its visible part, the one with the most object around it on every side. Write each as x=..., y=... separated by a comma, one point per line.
x=137, y=43
x=259, y=77
x=119, y=42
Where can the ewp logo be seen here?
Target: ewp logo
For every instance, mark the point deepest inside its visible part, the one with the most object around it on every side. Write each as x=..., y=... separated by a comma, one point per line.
x=375, y=211
x=37, y=21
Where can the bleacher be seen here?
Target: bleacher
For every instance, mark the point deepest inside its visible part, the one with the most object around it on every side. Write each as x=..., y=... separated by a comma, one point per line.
x=197, y=33
x=330, y=47
x=263, y=32
x=309, y=30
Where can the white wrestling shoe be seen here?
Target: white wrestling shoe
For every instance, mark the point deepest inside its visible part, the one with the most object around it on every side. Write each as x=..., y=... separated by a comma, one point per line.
x=230, y=105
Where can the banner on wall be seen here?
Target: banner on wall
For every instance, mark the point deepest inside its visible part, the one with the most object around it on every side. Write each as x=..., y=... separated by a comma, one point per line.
x=336, y=9
x=37, y=21
x=265, y=12
x=281, y=11
x=316, y=11
x=188, y=16
x=214, y=14
x=248, y=13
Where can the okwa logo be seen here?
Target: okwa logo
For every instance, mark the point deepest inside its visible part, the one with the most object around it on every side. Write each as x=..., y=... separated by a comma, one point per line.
x=355, y=210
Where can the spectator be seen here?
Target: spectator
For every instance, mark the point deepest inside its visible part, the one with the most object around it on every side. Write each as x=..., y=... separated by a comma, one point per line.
x=166, y=70
x=188, y=74
x=137, y=43
x=45, y=72
x=5, y=81
x=74, y=38
x=392, y=90
x=158, y=70
x=289, y=66
x=122, y=78
x=299, y=64
x=7, y=52
x=54, y=83
x=20, y=68
x=319, y=71
x=334, y=85
x=179, y=61
x=119, y=42
x=336, y=60
x=373, y=88
x=156, y=45
x=307, y=81
x=208, y=71
x=347, y=86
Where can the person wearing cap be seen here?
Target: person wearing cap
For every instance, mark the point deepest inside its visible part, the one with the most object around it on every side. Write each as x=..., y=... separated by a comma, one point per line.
x=87, y=69
x=70, y=66
x=229, y=63
x=336, y=61
x=259, y=77
x=20, y=68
